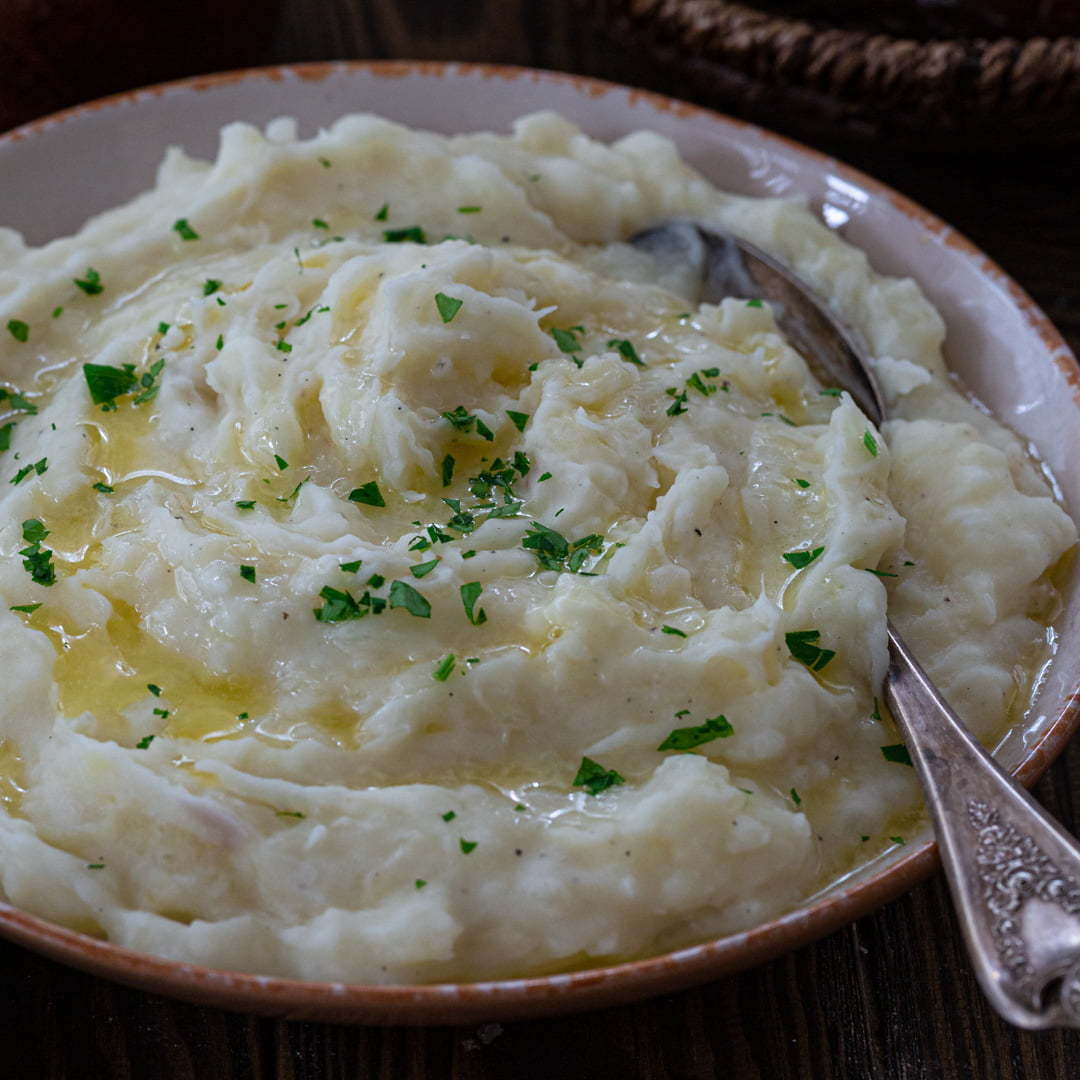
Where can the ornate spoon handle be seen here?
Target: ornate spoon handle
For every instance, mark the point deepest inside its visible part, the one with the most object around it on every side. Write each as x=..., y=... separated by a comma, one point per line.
x=1014, y=871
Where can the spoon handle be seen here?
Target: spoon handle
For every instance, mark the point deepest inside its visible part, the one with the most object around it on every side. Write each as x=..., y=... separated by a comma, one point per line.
x=1014, y=871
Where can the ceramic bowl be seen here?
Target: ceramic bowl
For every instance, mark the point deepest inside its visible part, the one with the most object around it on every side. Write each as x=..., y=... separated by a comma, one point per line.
x=999, y=343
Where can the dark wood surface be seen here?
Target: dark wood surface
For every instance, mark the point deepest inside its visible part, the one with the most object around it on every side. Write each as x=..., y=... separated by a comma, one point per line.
x=889, y=997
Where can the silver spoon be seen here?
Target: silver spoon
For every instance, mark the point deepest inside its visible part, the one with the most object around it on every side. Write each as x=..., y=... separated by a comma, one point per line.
x=1014, y=872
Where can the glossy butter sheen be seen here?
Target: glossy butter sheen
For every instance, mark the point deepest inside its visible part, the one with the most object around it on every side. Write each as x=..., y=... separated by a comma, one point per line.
x=298, y=789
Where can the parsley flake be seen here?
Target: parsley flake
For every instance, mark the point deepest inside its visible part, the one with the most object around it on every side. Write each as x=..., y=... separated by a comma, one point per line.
x=248, y=573
x=91, y=283
x=518, y=419
x=282, y=464
x=38, y=467
x=19, y=330
x=210, y=286
x=447, y=470
x=897, y=753
x=413, y=234
x=5, y=436
x=897, y=839
x=338, y=606
x=879, y=573
x=462, y=420
x=103, y=488
x=801, y=482
x=26, y=609
x=283, y=346
x=795, y=797
x=665, y=629
x=567, y=342
x=219, y=344
x=801, y=645
x=423, y=569
x=755, y=303
x=444, y=667
x=319, y=223
x=594, y=778
x=57, y=312
x=830, y=391
x=870, y=443
x=403, y=595
x=17, y=401
x=144, y=742
x=186, y=232
x=627, y=351
x=106, y=383
x=449, y=815
x=469, y=209
x=382, y=212
x=420, y=883
x=351, y=567
x=542, y=477
x=688, y=737
x=467, y=846
x=367, y=494
x=470, y=593
x=245, y=504
x=801, y=559
x=448, y=306
x=154, y=689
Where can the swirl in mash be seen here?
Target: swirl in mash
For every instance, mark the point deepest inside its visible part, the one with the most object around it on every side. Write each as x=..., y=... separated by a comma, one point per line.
x=406, y=586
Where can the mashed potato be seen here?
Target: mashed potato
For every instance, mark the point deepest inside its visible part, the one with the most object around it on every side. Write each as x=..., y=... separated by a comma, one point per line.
x=404, y=586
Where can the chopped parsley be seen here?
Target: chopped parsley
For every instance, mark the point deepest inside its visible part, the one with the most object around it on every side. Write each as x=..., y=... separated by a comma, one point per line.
x=627, y=351
x=17, y=401
x=57, y=311
x=462, y=420
x=678, y=403
x=210, y=286
x=876, y=714
x=103, y=488
x=91, y=283
x=37, y=561
x=95, y=866
x=755, y=303
x=106, y=383
x=423, y=569
x=248, y=573
x=801, y=645
x=149, y=383
x=447, y=470
x=420, y=883
x=448, y=306
x=594, y=778
x=339, y=606
x=351, y=567
x=449, y=815
x=181, y=226
x=830, y=391
x=413, y=234
x=469, y=209
x=19, y=330
x=467, y=845
x=245, y=504
x=367, y=494
x=542, y=477
x=282, y=464
x=444, y=667
x=568, y=343
x=518, y=419
x=897, y=753
x=870, y=443
x=470, y=593
x=163, y=713
x=290, y=813
x=665, y=629
x=897, y=839
x=154, y=689
x=5, y=436
x=283, y=346
x=38, y=467
x=795, y=797
x=687, y=738
x=403, y=595
x=554, y=552
x=144, y=742
x=382, y=212
x=376, y=581
x=801, y=482
x=162, y=328
x=26, y=609
x=219, y=344
x=319, y=223
x=879, y=573
x=801, y=559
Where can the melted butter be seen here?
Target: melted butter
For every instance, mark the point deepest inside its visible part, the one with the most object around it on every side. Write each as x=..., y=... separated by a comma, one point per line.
x=106, y=671
x=12, y=777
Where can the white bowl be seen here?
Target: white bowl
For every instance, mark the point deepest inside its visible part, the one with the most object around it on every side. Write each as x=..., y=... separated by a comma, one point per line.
x=56, y=172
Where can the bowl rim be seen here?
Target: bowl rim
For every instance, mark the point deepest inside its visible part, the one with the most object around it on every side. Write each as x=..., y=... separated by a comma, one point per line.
x=457, y=1003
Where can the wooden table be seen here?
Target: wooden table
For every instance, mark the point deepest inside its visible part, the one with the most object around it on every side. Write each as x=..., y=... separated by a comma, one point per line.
x=889, y=997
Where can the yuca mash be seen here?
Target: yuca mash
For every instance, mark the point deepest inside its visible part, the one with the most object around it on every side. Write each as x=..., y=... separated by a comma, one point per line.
x=412, y=589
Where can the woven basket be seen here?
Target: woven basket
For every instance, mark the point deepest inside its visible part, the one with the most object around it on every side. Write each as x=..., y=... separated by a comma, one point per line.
x=833, y=80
